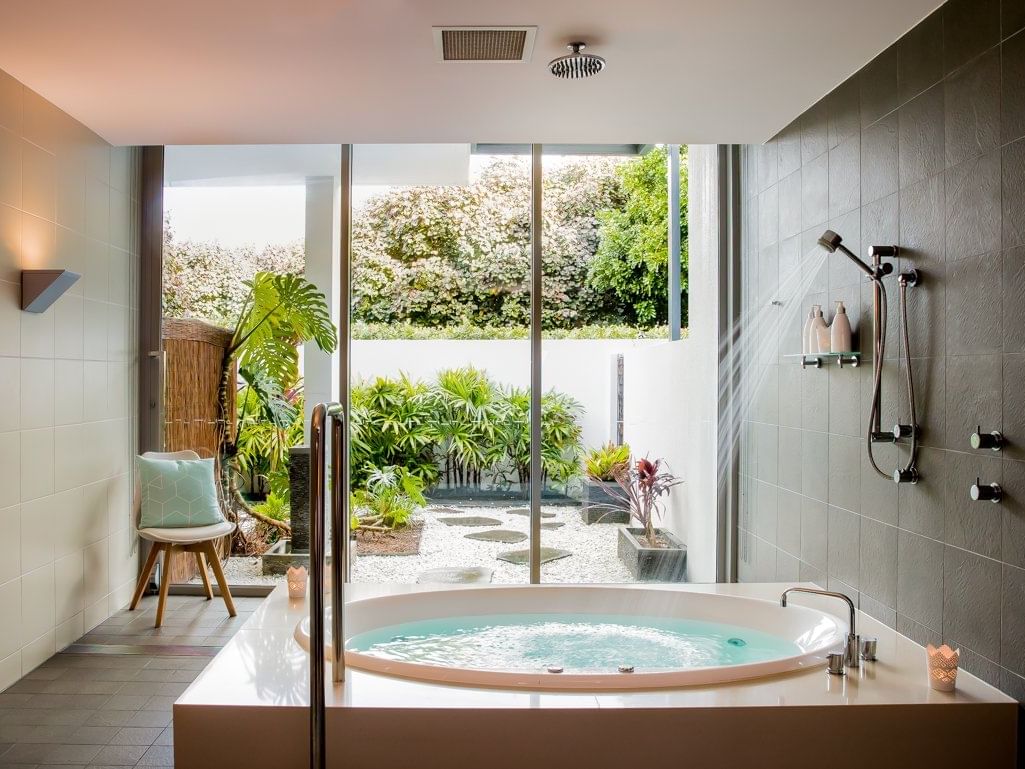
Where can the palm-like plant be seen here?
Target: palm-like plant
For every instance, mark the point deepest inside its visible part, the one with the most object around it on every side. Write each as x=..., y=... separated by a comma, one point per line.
x=280, y=312
x=469, y=413
x=392, y=424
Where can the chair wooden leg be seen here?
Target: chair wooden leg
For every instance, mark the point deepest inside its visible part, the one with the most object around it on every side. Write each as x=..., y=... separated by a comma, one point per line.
x=215, y=563
x=165, y=584
x=151, y=561
x=201, y=563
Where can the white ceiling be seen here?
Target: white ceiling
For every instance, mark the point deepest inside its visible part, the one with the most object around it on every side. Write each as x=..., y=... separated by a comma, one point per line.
x=326, y=71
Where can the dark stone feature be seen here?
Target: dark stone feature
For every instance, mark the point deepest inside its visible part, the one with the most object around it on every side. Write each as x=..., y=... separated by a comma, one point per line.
x=652, y=564
x=920, y=54
x=299, y=489
x=471, y=520
x=602, y=507
x=456, y=575
x=507, y=536
x=525, y=512
x=280, y=556
x=969, y=28
x=522, y=557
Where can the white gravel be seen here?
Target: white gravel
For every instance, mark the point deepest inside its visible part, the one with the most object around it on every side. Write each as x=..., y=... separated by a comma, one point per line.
x=593, y=549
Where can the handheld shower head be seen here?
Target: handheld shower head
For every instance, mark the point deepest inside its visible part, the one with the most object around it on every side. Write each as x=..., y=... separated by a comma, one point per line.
x=833, y=243
x=830, y=241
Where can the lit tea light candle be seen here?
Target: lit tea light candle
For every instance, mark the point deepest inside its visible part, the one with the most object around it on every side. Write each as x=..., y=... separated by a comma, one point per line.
x=942, y=663
x=296, y=577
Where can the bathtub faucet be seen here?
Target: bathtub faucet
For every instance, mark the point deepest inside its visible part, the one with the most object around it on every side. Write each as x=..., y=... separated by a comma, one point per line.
x=851, y=652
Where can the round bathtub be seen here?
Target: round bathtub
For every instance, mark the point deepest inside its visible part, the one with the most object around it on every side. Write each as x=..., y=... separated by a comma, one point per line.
x=580, y=637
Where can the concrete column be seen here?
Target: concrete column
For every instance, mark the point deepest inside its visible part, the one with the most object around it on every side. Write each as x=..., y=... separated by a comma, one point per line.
x=320, y=370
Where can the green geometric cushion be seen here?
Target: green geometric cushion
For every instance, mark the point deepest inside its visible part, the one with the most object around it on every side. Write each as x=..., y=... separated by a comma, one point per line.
x=178, y=493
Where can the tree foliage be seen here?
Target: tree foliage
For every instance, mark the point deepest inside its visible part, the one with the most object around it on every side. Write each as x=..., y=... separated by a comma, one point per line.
x=444, y=256
x=630, y=270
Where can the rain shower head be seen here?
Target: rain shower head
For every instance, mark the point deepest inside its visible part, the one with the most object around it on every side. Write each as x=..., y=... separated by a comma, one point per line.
x=833, y=243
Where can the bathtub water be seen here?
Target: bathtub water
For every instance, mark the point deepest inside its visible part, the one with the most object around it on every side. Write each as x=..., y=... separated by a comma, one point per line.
x=581, y=637
x=577, y=643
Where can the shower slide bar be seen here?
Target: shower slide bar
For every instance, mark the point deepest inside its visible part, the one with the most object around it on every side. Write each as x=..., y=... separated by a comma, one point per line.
x=323, y=413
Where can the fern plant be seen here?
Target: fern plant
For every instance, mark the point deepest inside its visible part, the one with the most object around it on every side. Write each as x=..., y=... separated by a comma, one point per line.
x=391, y=496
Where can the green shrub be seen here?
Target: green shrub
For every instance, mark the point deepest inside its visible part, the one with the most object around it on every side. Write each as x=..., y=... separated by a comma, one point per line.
x=393, y=422
x=601, y=463
x=391, y=496
x=461, y=428
x=465, y=331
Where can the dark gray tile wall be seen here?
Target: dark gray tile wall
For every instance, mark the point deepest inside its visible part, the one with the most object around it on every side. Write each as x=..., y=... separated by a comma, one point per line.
x=924, y=147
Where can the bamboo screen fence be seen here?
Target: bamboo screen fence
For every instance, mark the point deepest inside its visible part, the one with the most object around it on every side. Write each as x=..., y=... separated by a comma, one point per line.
x=194, y=351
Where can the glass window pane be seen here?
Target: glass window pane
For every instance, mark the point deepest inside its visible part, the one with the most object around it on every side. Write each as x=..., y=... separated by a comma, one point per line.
x=440, y=363
x=606, y=359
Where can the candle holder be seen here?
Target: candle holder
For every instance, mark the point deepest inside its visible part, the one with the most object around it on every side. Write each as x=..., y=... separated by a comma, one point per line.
x=296, y=577
x=942, y=665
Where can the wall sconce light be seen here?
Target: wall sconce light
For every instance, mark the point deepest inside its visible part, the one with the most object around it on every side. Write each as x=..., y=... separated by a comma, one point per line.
x=41, y=288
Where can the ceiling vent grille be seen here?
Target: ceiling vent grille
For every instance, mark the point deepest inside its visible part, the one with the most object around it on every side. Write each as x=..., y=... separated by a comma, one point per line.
x=484, y=44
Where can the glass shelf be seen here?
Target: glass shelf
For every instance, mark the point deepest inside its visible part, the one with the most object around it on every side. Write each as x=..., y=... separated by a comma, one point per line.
x=815, y=360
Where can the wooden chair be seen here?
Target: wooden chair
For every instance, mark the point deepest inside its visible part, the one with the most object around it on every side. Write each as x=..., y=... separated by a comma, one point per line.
x=198, y=540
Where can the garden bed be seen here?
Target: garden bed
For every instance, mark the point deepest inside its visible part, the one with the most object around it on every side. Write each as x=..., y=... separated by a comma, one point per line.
x=403, y=541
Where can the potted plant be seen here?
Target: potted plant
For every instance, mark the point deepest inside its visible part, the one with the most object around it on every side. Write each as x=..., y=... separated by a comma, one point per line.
x=600, y=466
x=649, y=552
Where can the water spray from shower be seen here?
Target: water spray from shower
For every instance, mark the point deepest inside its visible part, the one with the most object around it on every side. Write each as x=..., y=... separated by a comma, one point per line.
x=833, y=243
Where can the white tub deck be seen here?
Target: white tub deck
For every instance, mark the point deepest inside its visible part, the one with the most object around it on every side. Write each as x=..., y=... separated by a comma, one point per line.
x=250, y=706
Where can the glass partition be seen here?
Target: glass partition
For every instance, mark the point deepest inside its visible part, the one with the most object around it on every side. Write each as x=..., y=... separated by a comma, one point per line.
x=440, y=363
x=250, y=272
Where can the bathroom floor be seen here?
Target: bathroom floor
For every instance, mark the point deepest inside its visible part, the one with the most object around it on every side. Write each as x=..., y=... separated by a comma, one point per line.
x=106, y=701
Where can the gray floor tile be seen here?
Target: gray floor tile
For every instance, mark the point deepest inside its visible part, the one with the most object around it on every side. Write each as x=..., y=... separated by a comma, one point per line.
x=150, y=719
x=120, y=755
x=158, y=755
x=70, y=754
x=136, y=735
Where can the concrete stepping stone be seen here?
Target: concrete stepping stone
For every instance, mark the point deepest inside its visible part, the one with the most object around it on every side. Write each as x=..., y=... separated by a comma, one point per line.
x=471, y=520
x=552, y=524
x=522, y=557
x=507, y=536
x=456, y=575
x=447, y=510
x=525, y=512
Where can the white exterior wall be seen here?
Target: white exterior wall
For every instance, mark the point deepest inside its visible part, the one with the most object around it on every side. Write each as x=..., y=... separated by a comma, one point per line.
x=583, y=368
x=671, y=392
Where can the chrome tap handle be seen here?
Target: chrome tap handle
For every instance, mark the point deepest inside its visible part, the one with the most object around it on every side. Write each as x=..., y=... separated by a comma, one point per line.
x=992, y=440
x=986, y=492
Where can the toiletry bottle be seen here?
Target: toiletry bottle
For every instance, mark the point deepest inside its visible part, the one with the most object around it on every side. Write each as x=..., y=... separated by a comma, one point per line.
x=806, y=332
x=818, y=332
x=840, y=330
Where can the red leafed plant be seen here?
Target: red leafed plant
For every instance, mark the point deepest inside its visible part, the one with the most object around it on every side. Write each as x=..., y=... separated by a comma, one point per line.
x=641, y=485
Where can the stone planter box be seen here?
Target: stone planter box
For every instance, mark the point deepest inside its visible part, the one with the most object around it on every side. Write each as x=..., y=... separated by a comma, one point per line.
x=652, y=564
x=599, y=506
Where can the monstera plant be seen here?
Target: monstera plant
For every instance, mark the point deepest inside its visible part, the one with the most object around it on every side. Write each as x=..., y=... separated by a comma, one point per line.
x=280, y=312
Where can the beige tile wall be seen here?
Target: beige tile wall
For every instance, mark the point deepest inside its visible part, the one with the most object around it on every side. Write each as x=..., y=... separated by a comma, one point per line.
x=68, y=556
